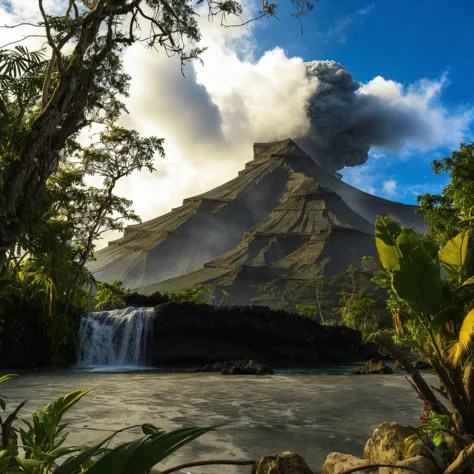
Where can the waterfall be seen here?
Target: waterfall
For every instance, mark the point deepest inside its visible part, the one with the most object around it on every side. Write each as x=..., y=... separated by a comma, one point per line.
x=115, y=338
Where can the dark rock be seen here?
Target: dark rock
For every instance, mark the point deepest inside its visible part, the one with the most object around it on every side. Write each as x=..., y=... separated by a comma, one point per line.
x=418, y=364
x=422, y=365
x=373, y=366
x=186, y=333
x=282, y=463
x=237, y=367
x=251, y=368
x=22, y=345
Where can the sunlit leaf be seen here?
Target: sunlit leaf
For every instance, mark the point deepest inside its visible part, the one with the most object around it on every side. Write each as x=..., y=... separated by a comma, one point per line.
x=459, y=348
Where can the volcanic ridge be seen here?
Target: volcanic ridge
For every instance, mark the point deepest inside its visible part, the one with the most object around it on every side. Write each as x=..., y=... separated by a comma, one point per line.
x=282, y=221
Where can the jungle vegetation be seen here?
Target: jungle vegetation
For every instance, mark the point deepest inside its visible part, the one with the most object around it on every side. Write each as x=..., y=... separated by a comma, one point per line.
x=50, y=217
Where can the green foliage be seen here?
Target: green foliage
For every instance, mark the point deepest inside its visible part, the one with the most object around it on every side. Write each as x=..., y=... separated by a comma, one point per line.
x=433, y=308
x=308, y=310
x=358, y=306
x=200, y=294
x=450, y=213
x=110, y=295
x=43, y=442
x=436, y=317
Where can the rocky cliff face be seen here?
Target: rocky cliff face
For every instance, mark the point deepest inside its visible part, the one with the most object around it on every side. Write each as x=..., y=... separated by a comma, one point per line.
x=283, y=221
x=185, y=333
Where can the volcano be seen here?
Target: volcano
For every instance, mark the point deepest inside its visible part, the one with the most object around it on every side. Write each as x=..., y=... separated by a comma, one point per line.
x=281, y=222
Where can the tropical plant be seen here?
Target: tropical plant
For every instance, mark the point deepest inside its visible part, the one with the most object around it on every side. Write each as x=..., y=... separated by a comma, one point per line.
x=111, y=295
x=43, y=441
x=200, y=294
x=438, y=321
x=309, y=311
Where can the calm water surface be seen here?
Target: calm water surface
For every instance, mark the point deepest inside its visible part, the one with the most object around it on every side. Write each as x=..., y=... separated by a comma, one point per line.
x=311, y=413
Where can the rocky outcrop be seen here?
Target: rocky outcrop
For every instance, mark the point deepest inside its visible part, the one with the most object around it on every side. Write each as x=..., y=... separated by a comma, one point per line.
x=339, y=462
x=185, y=333
x=252, y=368
x=420, y=463
x=418, y=364
x=373, y=366
x=388, y=445
x=282, y=463
x=237, y=368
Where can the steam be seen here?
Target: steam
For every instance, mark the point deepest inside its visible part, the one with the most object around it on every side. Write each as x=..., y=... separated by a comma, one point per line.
x=348, y=118
x=211, y=118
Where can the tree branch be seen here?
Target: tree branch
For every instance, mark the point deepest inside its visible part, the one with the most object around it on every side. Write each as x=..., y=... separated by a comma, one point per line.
x=22, y=39
x=5, y=117
x=20, y=24
x=51, y=42
x=47, y=81
x=376, y=466
x=463, y=461
x=423, y=388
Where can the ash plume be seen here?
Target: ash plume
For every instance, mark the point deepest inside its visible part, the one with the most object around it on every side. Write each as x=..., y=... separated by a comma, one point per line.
x=348, y=118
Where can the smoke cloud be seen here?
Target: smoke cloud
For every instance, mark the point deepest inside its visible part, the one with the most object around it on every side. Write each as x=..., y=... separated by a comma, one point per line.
x=349, y=118
x=211, y=117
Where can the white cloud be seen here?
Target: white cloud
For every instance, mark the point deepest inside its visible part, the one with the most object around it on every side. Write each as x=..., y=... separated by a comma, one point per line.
x=211, y=117
x=389, y=187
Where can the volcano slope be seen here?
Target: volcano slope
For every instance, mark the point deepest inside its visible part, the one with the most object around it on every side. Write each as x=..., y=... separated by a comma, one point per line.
x=277, y=226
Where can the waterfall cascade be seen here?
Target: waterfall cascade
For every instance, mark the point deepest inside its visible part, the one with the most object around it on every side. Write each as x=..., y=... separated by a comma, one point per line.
x=115, y=338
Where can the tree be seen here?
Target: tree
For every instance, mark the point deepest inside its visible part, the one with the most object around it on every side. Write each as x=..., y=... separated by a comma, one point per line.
x=117, y=154
x=452, y=211
x=47, y=267
x=71, y=91
x=358, y=308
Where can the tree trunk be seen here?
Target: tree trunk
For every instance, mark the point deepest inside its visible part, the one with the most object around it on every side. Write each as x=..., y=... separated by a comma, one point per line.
x=424, y=389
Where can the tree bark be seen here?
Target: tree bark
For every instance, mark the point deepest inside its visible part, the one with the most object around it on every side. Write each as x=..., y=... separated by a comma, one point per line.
x=424, y=389
x=462, y=462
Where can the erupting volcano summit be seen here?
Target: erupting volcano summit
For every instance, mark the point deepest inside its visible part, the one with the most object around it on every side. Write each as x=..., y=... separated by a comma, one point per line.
x=284, y=220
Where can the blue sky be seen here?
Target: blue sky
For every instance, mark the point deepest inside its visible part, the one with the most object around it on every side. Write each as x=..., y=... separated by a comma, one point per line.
x=401, y=40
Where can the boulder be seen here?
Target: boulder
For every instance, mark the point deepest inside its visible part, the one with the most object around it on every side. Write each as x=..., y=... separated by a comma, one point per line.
x=373, y=366
x=422, y=365
x=418, y=364
x=420, y=463
x=252, y=368
x=387, y=445
x=339, y=462
x=282, y=463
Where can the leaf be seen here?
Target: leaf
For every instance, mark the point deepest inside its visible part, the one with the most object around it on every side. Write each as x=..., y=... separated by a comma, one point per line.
x=148, y=429
x=468, y=282
x=141, y=455
x=7, y=377
x=386, y=232
x=29, y=465
x=74, y=463
x=453, y=256
x=445, y=316
x=418, y=282
x=465, y=334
